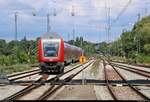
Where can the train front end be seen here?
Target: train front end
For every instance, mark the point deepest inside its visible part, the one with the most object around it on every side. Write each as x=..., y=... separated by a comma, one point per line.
x=51, y=53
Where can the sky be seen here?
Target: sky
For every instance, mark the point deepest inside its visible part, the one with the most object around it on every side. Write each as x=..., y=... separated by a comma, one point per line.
x=91, y=18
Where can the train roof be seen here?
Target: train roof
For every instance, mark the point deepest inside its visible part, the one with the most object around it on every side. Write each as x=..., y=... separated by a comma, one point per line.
x=69, y=45
x=54, y=35
x=50, y=35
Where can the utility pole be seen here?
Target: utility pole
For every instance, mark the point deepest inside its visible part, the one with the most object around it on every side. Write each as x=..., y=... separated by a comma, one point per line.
x=82, y=44
x=48, y=20
x=145, y=11
x=146, y=8
x=139, y=16
x=138, y=37
x=106, y=25
x=68, y=36
x=16, y=32
x=73, y=34
x=73, y=14
x=48, y=23
x=109, y=28
x=81, y=38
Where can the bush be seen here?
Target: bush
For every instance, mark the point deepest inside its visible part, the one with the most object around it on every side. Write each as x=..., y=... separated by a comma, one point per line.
x=147, y=49
x=143, y=58
x=13, y=68
x=34, y=59
x=23, y=57
x=7, y=60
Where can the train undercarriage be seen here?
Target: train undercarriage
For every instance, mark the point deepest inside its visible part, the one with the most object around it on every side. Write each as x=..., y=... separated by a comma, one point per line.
x=52, y=68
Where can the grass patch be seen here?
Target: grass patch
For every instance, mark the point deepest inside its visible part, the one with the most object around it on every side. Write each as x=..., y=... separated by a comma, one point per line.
x=140, y=59
x=14, y=68
x=95, y=67
x=116, y=58
x=74, y=64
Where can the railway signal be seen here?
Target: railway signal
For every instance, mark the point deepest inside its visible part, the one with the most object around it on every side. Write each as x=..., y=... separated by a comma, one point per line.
x=82, y=59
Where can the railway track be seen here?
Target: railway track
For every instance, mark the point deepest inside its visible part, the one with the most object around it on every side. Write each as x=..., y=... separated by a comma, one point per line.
x=33, y=86
x=21, y=75
x=53, y=89
x=14, y=75
x=111, y=90
x=24, y=74
x=134, y=70
x=108, y=84
x=138, y=65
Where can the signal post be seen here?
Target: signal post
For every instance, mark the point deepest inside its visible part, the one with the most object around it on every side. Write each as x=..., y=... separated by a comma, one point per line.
x=82, y=61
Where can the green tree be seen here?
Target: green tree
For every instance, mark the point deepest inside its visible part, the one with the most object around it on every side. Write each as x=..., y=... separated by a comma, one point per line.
x=141, y=32
x=147, y=49
x=127, y=44
x=103, y=47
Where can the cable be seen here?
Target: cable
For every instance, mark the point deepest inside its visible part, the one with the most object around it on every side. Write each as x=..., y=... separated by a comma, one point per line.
x=122, y=11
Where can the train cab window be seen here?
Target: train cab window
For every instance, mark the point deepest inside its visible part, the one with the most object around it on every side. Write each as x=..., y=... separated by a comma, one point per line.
x=50, y=49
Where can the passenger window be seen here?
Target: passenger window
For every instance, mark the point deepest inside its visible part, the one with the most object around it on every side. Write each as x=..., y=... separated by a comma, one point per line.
x=50, y=49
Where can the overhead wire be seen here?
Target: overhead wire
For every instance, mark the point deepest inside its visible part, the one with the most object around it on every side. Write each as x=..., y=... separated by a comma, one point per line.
x=122, y=11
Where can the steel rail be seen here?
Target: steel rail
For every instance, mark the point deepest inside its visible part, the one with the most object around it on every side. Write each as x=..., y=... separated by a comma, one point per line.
x=21, y=92
x=131, y=68
x=33, y=86
x=27, y=75
x=107, y=83
x=133, y=88
x=13, y=75
x=136, y=65
x=142, y=73
x=53, y=89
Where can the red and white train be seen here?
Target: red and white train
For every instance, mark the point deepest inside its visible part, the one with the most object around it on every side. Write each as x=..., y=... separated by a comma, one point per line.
x=54, y=53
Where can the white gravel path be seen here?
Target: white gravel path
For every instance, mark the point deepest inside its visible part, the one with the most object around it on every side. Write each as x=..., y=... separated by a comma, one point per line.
x=8, y=90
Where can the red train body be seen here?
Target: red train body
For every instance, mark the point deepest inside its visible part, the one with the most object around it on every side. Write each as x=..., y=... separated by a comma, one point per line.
x=54, y=53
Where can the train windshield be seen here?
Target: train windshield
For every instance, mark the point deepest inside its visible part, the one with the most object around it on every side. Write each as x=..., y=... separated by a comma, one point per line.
x=50, y=49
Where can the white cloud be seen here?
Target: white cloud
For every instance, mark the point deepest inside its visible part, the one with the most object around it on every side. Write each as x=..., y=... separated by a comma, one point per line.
x=89, y=9
x=88, y=13
x=4, y=3
x=116, y=6
x=36, y=4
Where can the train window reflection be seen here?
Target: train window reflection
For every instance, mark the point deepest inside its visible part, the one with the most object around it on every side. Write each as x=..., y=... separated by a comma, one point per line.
x=50, y=49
